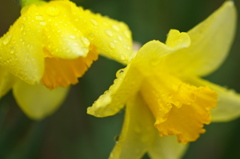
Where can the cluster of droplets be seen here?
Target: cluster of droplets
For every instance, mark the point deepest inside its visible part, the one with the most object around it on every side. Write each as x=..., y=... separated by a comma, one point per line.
x=111, y=37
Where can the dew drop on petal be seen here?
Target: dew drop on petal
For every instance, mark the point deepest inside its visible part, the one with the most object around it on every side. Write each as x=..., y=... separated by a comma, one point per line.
x=119, y=72
x=123, y=57
x=7, y=39
x=120, y=38
x=52, y=11
x=91, y=36
x=85, y=41
x=115, y=27
x=93, y=21
x=22, y=26
x=116, y=139
x=127, y=34
x=42, y=23
x=12, y=50
x=109, y=33
x=39, y=17
x=112, y=45
x=72, y=36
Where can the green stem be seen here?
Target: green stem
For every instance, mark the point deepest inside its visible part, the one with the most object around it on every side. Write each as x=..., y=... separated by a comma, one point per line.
x=28, y=2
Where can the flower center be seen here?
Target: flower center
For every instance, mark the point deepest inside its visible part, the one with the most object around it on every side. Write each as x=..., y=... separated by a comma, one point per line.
x=179, y=109
x=64, y=72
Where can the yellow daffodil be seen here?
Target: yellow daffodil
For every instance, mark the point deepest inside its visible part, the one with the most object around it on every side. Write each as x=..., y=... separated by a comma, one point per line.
x=51, y=45
x=164, y=94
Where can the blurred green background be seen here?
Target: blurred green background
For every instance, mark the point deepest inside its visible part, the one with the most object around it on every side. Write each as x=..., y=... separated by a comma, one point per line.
x=72, y=134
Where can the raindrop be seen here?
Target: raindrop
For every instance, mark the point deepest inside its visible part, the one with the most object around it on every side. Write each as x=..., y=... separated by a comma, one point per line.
x=93, y=21
x=120, y=38
x=116, y=139
x=119, y=72
x=22, y=26
x=53, y=11
x=83, y=51
x=39, y=17
x=72, y=36
x=127, y=33
x=42, y=23
x=85, y=41
x=109, y=32
x=7, y=39
x=123, y=57
x=115, y=27
x=112, y=45
x=91, y=36
x=12, y=50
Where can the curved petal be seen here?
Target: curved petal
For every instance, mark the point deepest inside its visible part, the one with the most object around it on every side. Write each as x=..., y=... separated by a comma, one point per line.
x=152, y=55
x=125, y=86
x=129, y=81
x=228, y=107
x=6, y=81
x=210, y=43
x=61, y=37
x=137, y=133
x=167, y=147
x=20, y=52
x=38, y=101
x=111, y=37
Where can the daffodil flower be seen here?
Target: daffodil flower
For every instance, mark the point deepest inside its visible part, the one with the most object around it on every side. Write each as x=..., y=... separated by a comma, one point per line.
x=50, y=46
x=166, y=100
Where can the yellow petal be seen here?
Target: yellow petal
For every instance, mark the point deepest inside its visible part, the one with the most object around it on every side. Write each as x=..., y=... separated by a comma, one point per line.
x=152, y=55
x=179, y=109
x=125, y=86
x=111, y=37
x=210, y=43
x=61, y=37
x=20, y=52
x=228, y=107
x=6, y=81
x=37, y=101
x=137, y=133
x=166, y=147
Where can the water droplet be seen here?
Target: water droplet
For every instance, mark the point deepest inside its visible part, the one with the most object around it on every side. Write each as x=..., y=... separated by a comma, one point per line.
x=7, y=39
x=39, y=17
x=112, y=45
x=119, y=72
x=85, y=41
x=42, y=23
x=22, y=26
x=72, y=36
x=109, y=32
x=120, y=38
x=115, y=27
x=84, y=50
x=93, y=21
x=12, y=50
x=123, y=57
x=127, y=33
x=91, y=36
x=116, y=139
x=53, y=11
